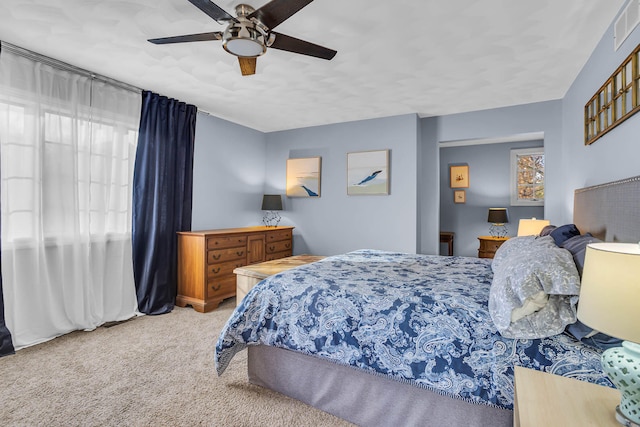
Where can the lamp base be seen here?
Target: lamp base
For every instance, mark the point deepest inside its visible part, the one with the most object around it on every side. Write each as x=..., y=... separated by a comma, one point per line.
x=271, y=219
x=622, y=419
x=498, y=230
x=622, y=365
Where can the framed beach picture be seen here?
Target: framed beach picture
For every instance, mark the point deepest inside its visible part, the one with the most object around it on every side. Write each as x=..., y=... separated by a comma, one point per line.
x=368, y=172
x=459, y=176
x=303, y=177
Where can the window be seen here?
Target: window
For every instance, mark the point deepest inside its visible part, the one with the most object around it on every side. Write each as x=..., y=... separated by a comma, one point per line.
x=527, y=177
x=64, y=173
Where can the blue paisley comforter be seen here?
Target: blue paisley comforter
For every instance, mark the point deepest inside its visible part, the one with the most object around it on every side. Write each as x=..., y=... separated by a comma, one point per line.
x=415, y=318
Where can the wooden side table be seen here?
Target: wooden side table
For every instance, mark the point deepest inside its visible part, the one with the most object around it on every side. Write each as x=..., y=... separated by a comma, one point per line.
x=250, y=275
x=489, y=245
x=543, y=399
x=447, y=237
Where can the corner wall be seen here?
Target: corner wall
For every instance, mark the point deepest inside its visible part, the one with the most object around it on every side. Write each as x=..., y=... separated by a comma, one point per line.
x=228, y=174
x=489, y=186
x=543, y=117
x=335, y=222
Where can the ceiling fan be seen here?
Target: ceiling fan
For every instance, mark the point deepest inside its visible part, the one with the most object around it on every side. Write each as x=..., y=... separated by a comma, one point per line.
x=250, y=33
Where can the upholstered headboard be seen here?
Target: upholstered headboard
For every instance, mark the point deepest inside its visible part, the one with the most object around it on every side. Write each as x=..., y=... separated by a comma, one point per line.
x=611, y=211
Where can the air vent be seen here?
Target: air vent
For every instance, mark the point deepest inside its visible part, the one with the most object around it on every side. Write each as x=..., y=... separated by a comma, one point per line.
x=626, y=22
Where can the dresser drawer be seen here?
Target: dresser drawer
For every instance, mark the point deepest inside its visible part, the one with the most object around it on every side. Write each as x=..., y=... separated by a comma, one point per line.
x=222, y=287
x=489, y=246
x=282, y=246
x=222, y=255
x=223, y=268
x=215, y=242
x=276, y=236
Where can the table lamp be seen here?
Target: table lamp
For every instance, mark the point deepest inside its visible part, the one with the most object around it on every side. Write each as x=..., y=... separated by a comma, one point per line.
x=272, y=203
x=498, y=217
x=531, y=227
x=610, y=303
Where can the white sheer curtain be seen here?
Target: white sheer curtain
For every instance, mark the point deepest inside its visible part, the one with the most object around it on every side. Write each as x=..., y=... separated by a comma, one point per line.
x=67, y=143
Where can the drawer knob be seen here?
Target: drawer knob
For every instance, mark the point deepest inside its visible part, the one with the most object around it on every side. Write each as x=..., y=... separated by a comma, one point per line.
x=216, y=270
x=288, y=245
x=240, y=253
x=217, y=257
x=215, y=288
x=271, y=248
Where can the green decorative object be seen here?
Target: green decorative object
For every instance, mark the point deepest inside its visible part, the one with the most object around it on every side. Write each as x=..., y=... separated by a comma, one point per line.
x=610, y=303
x=622, y=364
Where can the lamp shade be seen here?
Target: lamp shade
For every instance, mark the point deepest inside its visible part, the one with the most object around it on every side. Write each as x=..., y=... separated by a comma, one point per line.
x=272, y=202
x=498, y=215
x=531, y=227
x=610, y=290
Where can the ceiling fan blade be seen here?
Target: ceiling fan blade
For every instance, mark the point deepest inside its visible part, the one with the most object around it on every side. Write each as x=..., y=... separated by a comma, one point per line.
x=213, y=10
x=188, y=38
x=247, y=65
x=292, y=44
x=276, y=12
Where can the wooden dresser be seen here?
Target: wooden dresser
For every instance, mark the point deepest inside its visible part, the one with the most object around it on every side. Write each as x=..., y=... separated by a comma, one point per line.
x=489, y=245
x=206, y=260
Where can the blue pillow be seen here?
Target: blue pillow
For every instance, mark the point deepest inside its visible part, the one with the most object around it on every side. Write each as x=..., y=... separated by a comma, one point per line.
x=547, y=230
x=563, y=233
x=599, y=341
x=577, y=245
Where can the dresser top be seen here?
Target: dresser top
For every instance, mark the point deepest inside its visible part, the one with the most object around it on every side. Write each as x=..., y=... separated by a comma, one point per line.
x=253, y=229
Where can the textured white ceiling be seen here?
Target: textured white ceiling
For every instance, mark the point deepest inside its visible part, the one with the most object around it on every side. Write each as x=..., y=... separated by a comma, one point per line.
x=430, y=57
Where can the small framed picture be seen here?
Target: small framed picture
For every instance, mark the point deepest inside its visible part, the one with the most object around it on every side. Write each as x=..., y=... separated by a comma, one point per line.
x=459, y=196
x=459, y=176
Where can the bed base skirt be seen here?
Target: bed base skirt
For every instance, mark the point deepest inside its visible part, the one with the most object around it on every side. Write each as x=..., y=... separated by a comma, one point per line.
x=362, y=398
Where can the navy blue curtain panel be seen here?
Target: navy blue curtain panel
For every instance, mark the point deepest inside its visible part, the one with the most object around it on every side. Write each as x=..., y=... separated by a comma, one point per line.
x=162, y=194
x=6, y=344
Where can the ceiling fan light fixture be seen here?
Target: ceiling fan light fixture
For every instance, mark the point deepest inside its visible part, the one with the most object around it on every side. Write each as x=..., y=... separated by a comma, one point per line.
x=244, y=40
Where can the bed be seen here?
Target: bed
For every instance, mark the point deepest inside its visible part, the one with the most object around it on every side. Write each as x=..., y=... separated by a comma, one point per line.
x=383, y=338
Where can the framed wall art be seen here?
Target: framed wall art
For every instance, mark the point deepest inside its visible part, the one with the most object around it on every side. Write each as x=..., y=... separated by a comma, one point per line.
x=303, y=177
x=459, y=176
x=459, y=196
x=368, y=172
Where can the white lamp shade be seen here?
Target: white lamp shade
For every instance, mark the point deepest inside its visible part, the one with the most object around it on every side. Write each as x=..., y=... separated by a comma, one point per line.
x=531, y=227
x=610, y=290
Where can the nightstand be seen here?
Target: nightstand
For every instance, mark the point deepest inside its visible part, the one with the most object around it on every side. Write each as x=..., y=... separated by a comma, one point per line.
x=489, y=245
x=543, y=399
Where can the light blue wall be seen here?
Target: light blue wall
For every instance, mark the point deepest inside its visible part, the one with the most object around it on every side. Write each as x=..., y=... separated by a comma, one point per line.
x=228, y=174
x=234, y=165
x=543, y=117
x=336, y=223
x=428, y=188
x=489, y=186
x=614, y=156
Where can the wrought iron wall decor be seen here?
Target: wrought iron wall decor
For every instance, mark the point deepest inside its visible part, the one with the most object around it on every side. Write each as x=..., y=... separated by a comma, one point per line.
x=617, y=100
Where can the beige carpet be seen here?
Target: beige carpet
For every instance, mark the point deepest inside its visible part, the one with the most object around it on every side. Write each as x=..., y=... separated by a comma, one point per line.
x=149, y=371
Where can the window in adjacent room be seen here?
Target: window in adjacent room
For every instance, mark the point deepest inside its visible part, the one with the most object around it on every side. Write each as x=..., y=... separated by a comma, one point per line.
x=527, y=177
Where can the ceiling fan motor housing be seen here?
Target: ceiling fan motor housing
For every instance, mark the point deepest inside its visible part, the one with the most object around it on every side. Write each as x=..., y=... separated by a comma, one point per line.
x=245, y=38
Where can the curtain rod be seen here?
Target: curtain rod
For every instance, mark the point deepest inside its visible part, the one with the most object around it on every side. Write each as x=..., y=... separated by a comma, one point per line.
x=64, y=66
